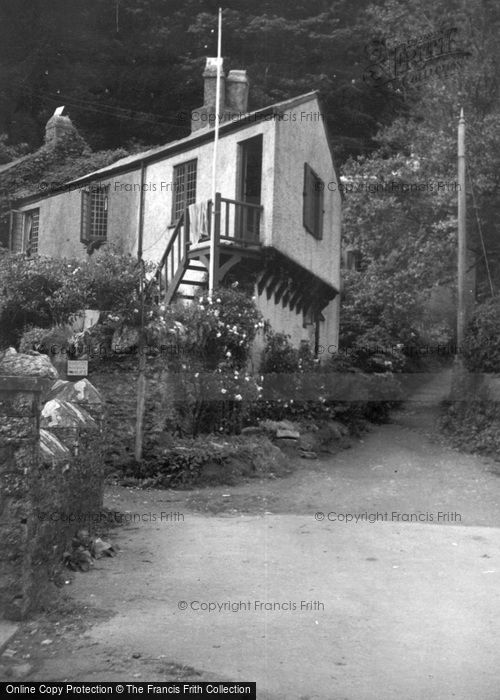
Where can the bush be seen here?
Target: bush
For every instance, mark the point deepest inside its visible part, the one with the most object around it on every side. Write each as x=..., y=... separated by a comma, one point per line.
x=473, y=426
x=47, y=292
x=297, y=387
x=49, y=341
x=199, y=461
x=213, y=391
x=481, y=347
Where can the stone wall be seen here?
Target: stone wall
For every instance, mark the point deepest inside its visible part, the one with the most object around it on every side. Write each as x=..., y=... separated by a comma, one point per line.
x=51, y=475
x=116, y=379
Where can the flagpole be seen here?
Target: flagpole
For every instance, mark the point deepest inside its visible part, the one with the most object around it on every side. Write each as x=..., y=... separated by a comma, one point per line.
x=212, y=270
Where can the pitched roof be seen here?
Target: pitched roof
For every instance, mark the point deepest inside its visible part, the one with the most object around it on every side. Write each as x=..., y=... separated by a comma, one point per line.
x=197, y=137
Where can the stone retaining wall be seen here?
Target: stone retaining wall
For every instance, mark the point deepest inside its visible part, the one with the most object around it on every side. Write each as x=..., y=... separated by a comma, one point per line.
x=51, y=476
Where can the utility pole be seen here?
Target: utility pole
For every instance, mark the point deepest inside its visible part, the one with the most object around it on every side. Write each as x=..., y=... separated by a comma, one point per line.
x=462, y=236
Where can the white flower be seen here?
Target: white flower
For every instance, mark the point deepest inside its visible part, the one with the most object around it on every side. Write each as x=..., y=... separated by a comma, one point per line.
x=218, y=300
x=238, y=397
x=228, y=353
x=223, y=391
x=197, y=375
x=218, y=334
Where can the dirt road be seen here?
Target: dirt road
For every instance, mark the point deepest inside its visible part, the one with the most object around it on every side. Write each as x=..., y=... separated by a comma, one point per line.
x=312, y=600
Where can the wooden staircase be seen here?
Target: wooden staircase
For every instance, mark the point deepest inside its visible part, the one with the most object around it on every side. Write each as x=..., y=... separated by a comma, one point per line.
x=185, y=264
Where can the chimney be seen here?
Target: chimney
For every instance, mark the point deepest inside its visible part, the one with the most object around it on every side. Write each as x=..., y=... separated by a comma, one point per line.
x=57, y=127
x=205, y=116
x=237, y=91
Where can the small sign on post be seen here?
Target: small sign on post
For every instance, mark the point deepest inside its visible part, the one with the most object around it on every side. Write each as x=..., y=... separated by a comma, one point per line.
x=77, y=368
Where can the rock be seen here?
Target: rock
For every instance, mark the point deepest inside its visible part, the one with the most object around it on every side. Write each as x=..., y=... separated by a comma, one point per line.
x=272, y=426
x=78, y=392
x=52, y=450
x=16, y=364
x=308, y=455
x=125, y=339
x=309, y=442
x=21, y=670
x=253, y=430
x=62, y=414
x=289, y=434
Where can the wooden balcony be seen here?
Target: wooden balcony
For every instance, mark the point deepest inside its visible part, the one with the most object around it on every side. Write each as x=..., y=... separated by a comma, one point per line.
x=237, y=235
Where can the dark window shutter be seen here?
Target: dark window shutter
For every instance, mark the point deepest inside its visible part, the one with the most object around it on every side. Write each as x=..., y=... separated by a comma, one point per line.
x=85, y=217
x=319, y=195
x=313, y=202
x=17, y=232
x=308, y=211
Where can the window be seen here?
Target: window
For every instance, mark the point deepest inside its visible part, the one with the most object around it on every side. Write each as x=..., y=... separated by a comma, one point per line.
x=31, y=221
x=313, y=202
x=94, y=221
x=353, y=259
x=184, y=183
x=25, y=226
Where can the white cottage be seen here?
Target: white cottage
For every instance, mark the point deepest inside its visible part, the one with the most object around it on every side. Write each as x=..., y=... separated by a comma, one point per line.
x=277, y=208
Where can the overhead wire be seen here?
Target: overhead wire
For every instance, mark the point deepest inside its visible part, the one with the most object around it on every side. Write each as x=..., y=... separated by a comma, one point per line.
x=478, y=222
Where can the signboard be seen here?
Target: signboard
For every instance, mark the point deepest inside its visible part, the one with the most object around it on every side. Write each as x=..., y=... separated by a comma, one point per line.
x=78, y=368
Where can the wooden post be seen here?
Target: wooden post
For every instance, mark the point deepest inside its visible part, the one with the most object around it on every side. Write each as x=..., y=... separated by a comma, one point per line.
x=216, y=242
x=141, y=380
x=462, y=236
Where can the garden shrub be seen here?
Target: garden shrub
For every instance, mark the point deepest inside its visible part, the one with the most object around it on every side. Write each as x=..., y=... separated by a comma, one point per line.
x=49, y=341
x=473, y=426
x=47, y=292
x=198, y=460
x=213, y=391
x=297, y=387
x=481, y=346
x=474, y=423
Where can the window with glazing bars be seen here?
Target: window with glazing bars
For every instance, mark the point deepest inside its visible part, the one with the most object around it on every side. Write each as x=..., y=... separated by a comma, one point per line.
x=24, y=233
x=94, y=222
x=184, y=186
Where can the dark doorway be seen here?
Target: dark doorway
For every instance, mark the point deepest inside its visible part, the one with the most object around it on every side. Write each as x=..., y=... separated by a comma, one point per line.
x=249, y=187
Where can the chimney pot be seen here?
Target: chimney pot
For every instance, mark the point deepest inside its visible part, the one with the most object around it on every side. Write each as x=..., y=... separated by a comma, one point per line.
x=58, y=126
x=237, y=91
x=210, y=83
x=205, y=116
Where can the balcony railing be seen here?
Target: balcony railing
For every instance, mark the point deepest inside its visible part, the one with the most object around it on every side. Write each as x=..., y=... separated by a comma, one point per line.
x=239, y=221
x=235, y=221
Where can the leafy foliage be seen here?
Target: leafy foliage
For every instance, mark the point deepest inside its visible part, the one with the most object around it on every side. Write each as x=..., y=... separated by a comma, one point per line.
x=197, y=460
x=134, y=67
x=481, y=349
x=46, y=292
x=473, y=426
x=213, y=387
x=400, y=201
x=296, y=386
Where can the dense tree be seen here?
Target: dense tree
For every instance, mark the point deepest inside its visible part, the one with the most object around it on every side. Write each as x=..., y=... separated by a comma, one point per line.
x=130, y=69
x=401, y=213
